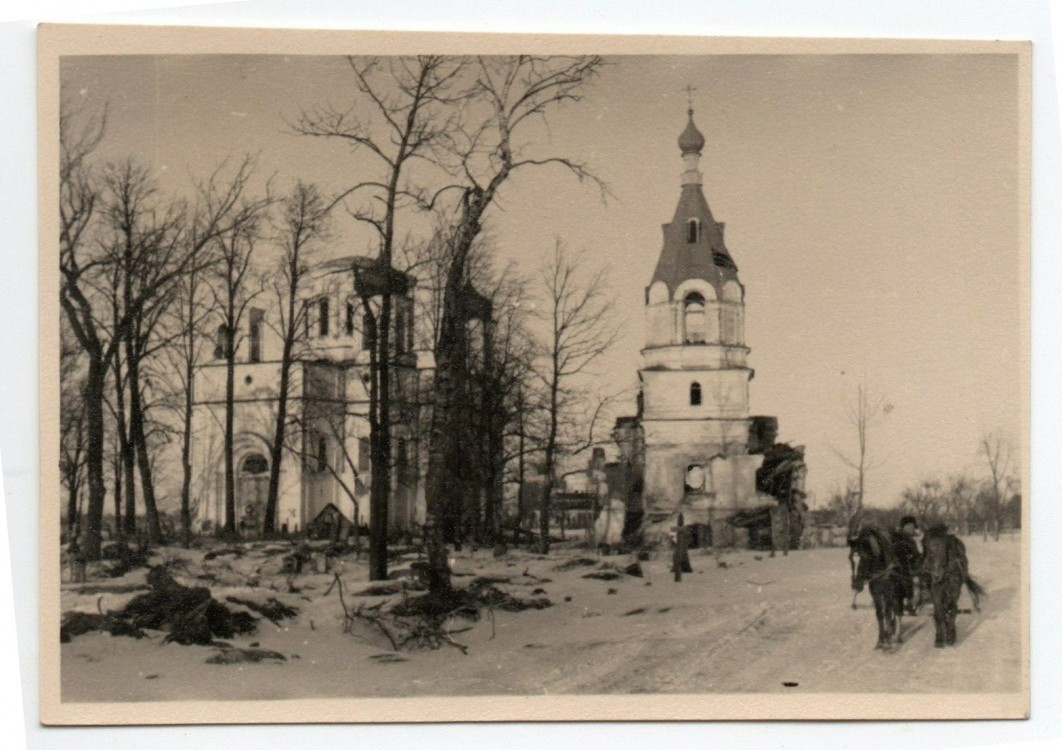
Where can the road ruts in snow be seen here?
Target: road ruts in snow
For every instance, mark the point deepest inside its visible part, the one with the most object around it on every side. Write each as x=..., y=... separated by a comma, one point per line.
x=742, y=622
x=800, y=628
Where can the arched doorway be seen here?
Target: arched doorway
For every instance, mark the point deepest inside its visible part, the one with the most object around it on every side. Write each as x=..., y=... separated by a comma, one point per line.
x=252, y=487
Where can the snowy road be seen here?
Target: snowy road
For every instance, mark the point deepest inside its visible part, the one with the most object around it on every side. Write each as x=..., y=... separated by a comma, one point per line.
x=750, y=626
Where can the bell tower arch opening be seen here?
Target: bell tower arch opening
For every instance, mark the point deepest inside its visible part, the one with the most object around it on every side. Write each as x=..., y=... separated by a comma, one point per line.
x=693, y=318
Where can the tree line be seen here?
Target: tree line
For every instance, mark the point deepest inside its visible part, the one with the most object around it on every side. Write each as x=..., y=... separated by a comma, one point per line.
x=965, y=502
x=152, y=283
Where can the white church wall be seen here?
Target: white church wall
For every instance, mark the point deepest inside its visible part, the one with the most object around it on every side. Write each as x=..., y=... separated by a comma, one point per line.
x=709, y=436
x=724, y=394
x=659, y=325
x=701, y=357
x=259, y=380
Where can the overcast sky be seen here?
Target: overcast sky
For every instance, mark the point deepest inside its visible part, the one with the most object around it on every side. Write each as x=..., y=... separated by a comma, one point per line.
x=871, y=204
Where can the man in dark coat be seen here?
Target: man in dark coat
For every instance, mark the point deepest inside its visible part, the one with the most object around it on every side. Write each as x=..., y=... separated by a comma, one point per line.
x=909, y=558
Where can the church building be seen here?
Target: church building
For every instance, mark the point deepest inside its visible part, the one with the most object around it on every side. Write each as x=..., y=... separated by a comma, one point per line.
x=325, y=469
x=693, y=447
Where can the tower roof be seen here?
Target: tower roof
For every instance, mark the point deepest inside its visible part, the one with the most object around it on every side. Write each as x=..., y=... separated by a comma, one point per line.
x=698, y=252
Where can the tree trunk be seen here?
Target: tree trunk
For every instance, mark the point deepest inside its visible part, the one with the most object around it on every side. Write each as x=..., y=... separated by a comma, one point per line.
x=139, y=441
x=381, y=444
x=230, y=396
x=186, y=458
x=126, y=483
x=276, y=450
x=521, y=507
x=94, y=434
x=444, y=456
x=71, y=510
x=551, y=454
x=117, y=468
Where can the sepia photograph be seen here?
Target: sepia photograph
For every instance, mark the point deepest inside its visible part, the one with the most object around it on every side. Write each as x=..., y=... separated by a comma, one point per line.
x=394, y=377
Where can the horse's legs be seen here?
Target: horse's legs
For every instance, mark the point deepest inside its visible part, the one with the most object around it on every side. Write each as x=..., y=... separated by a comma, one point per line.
x=888, y=614
x=950, y=633
x=879, y=610
x=973, y=594
x=938, y=617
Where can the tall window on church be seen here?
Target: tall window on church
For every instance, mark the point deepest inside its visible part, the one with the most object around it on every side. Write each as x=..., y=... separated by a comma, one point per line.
x=221, y=343
x=322, y=453
x=364, y=458
x=322, y=317
x=694, y=318
x=255, y=338
x=693, y=228
x=400, y=329
x=695, y=394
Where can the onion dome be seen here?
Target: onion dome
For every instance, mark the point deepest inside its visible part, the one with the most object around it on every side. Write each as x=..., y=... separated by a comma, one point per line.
x=691, y=141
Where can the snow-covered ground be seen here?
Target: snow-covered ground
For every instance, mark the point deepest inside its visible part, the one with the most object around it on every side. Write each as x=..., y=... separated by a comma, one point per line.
x=741, y=622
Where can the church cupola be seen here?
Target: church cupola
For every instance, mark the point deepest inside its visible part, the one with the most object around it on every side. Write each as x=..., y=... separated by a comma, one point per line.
x=694, y=250
x=691, y=143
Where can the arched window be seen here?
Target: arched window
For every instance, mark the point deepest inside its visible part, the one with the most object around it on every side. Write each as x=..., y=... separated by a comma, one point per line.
x=695, y=394
x=693, y=230
x=221, y=343
x=693, y=317
x=254, y=464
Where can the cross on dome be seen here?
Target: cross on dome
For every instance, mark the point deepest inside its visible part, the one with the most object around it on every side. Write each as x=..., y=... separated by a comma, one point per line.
x=691, y=141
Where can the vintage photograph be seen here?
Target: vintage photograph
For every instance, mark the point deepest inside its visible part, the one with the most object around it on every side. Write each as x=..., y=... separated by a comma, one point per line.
x=655, y=378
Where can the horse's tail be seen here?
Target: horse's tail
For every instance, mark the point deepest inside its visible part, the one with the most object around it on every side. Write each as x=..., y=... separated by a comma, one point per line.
x=976, y=592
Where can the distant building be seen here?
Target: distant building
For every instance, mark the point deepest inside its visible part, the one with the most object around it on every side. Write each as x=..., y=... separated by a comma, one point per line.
x=693, y=447
x=327, y=457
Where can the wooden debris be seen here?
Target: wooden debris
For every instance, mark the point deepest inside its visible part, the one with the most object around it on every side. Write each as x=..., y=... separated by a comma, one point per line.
x=245, y=655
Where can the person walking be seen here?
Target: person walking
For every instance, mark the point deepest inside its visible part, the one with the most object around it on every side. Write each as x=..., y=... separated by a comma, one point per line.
x=909, y=558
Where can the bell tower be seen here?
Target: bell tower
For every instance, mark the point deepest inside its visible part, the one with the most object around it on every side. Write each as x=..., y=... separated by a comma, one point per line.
x=695, y=377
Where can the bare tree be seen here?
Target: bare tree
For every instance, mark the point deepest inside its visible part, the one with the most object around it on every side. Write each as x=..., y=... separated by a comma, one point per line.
x=412, y=99
x=507, y=95
x=844, y=503
x=71, y=427
x=138, y=242
x=959, y=495
x=235, y=286
x=864, y=413
x=303, y=222
x=189, y=315
x=576, y=313
x=997, y=454
x=85, y=270
x=923, y=501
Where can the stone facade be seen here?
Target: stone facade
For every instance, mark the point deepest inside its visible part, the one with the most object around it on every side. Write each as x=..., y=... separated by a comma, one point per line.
x=326, y=460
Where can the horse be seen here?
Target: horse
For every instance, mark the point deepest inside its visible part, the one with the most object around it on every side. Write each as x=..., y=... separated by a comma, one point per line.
x=945, y=571
x=879, y=568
